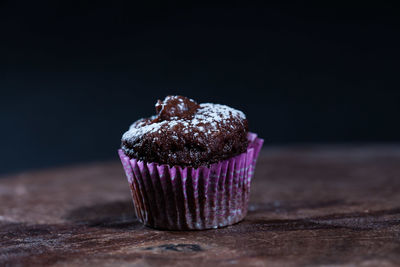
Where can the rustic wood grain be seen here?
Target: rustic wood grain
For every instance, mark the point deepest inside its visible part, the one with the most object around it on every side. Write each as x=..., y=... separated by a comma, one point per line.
x=310, y=206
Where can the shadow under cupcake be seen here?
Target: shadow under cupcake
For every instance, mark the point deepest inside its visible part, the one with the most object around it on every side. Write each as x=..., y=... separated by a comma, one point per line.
x=190, y=166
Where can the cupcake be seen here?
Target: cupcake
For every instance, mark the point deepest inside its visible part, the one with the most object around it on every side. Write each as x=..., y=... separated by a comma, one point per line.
x=190, y=166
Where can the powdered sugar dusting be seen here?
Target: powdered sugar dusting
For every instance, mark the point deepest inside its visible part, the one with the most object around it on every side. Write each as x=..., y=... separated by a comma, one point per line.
x=207, y=120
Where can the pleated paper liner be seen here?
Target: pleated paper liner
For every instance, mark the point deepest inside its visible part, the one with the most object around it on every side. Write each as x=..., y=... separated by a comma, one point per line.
x=177, y=198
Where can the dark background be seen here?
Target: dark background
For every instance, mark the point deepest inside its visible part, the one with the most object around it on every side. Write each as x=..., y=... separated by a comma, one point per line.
x=74, y=76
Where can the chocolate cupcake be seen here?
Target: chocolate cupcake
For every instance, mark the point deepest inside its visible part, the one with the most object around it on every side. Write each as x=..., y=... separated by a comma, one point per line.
x=190, y=166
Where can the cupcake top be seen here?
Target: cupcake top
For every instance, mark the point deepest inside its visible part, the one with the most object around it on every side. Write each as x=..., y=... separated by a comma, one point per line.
x=185, y=133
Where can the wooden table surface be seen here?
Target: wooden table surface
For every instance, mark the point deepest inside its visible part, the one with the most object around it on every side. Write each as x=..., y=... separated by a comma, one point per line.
x=310, y=206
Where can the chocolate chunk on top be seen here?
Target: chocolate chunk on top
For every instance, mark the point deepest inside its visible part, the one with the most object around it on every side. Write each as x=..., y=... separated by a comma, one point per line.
x=174, y=107
x=185, y=133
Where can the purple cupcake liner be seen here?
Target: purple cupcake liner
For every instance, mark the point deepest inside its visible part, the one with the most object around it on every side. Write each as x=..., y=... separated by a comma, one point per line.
x=177, y=198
